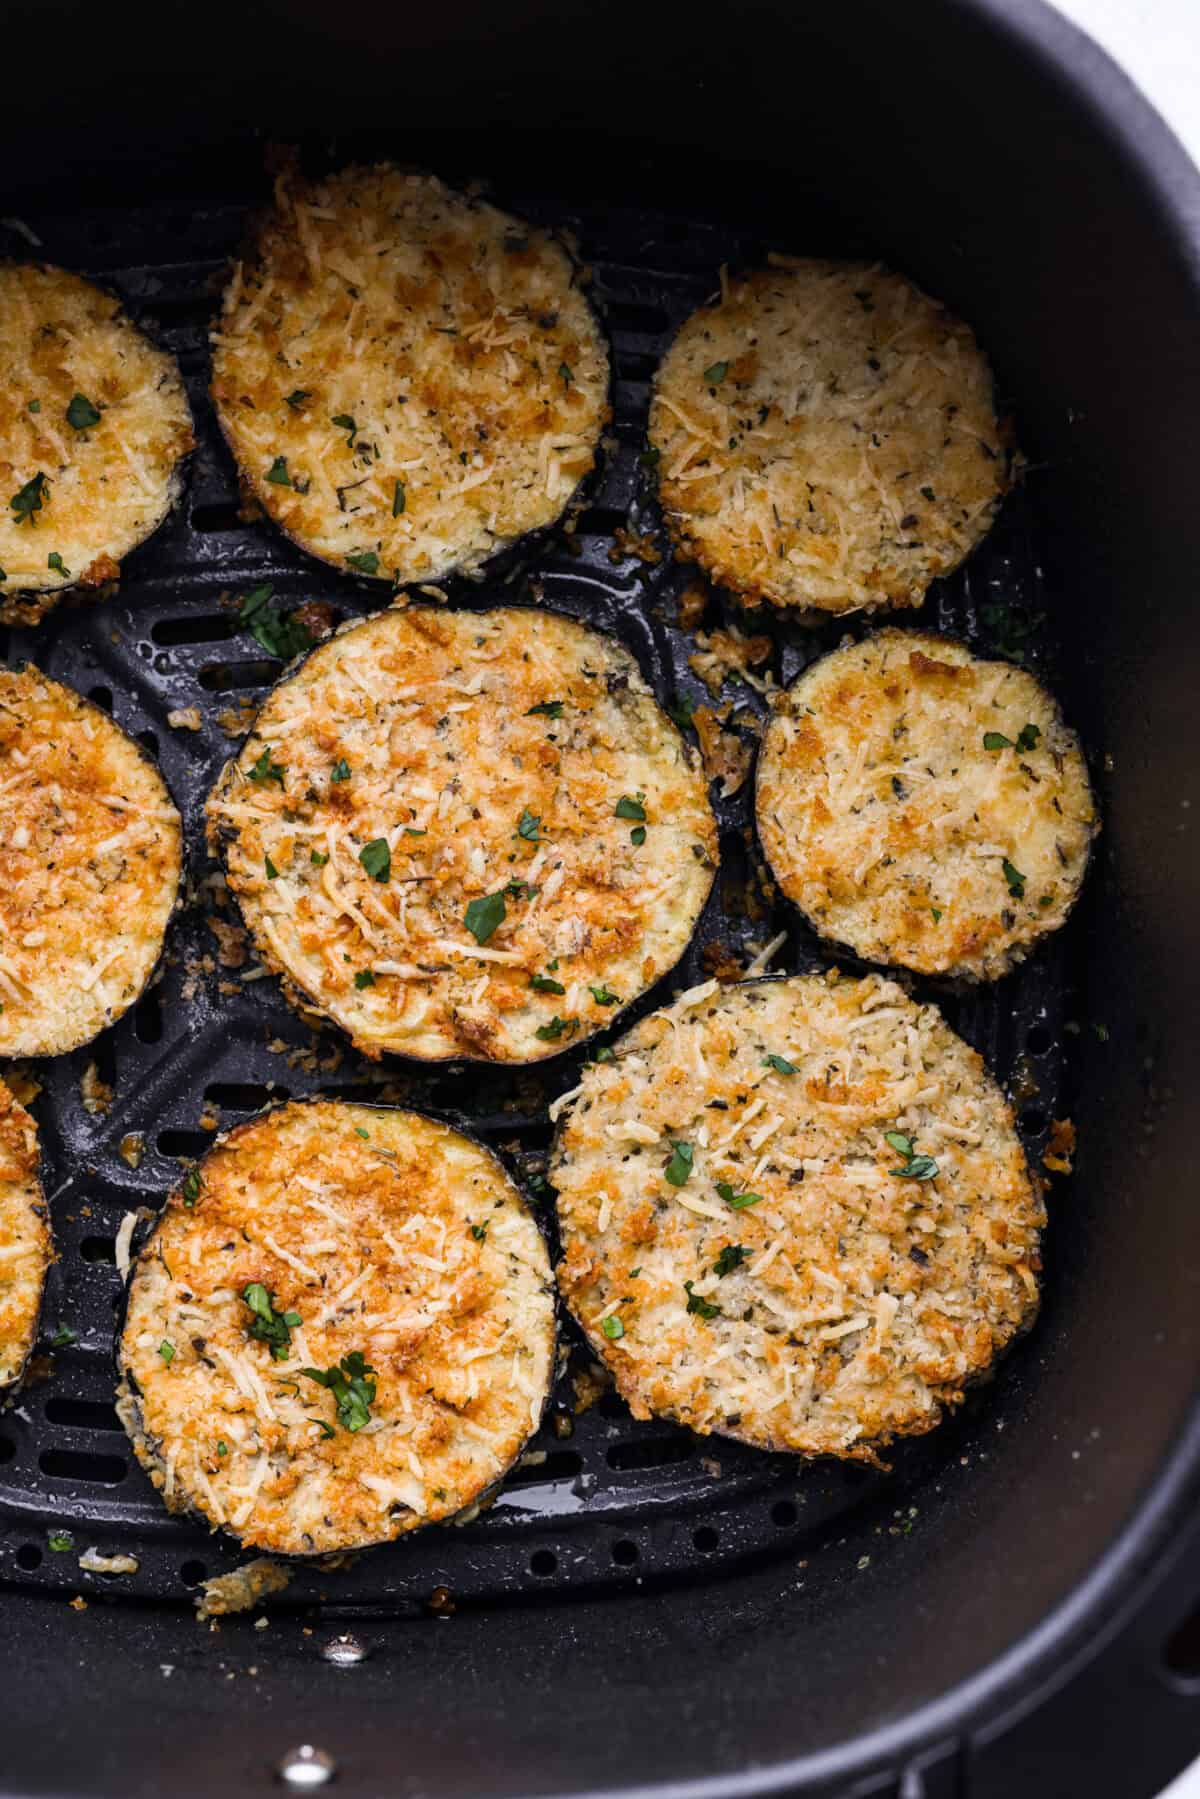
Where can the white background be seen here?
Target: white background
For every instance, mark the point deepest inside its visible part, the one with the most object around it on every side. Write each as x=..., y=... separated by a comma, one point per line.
x=1157, y=42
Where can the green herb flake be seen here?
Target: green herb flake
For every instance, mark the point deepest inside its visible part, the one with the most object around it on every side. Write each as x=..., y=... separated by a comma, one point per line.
x=550, y=1033
x=63, y=1337
x=340, y=770
x=266, y=1324
x=547, y=709
x=191, y=1186
x=35, y=406
x=916, y=1167
x=631, y=808
x=364, y=978
x=604, y=1054
x=935, y=914
x=167, y=1352
x=359, y=1132
x=55, y=561
x=30, y=499
x=264, y=770
x=222, y=1446
x=353, y=1387
x=81, y=414
x=318, y=858
x=679, y=1167
x=637, y=836
x=272, y=871
x=927, y=493
x=780, y=1064
x=60, y=1541
x=739, y=1201
x=731, y=1257
x=683, y=711
x=345, y=423
x=281, y=634
x=528, y=826
x=480, y=1231
x=703, y=1308
x=604, y=996
x=1027, y=737
x=541, y=983
x=399, y=500
x=613, y=1328
x=996, y=740
x=715, y=373
x=365, y=561
x=297, y=398
x=376, y=858
x=564, y=369
x=1015, y=879
x=277, y=474
x=484, y=916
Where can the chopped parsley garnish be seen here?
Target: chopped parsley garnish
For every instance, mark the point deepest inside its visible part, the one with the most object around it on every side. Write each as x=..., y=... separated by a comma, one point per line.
x=60, y=1541
x=267, y=1325
x=547, y=709
x=264, y=770
x=318, y=858
x=996, y=740
x=520, y=890
x=297, y=398
x=631, y=808
x=410, y=831
x=703, y=1308
x=479, y=1231
x=167, y=1352
x=528, y=826
x=604, y=996
x=30, y=499
x=916, y=1168
x=281, y=634
x=604, y=1054
x=550, y=1033
x=352, y=1386
x=63, y=1337
x=399, y=500
x=613, y=1328
x=364, y=978
x=780, y=1064
x=340, y=770
x=277, y=474
x=739, y=1201
x=35, y=405
x=564, y=369
x=679, y=1167
x=935, y=914
x=637, y=836
x=715, y=373
x=484, y=916
x=365, y=561
x=55, y=561
x=81, y=414
x=376, y=858
x=272, y=871
x=222, y=1446
x=731, y=1257
x=541, y=983
x=359, y=1132
x=1015, y=879
x=345, y=423
x=191, y=1187
x=927, y=493
x=1027, y=737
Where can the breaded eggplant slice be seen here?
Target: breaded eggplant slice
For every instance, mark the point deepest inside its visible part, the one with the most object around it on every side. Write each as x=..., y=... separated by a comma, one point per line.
x=94, y=426
x=467, y=833
x=26, y=1250
x=341, y=1328
x=409, y=379
x=90, y=863
x=827, y=438
x=925, y=807
x=796, y=1211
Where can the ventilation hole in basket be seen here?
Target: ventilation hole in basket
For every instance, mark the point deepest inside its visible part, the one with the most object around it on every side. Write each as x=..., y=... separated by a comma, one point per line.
x=8, y=1449
x=148, y=741
x=560, y=1464
x=1033, y=1120
x=706, y=1539
x=245, y=1096
x=543, y=1562
x=1181, y=1654
x=29, y=1557
x=784, y=1513
x=99, y=1249
x=78, y=1464
x=624, y=315
x=147, y=1018
x=223, y=517
x=657, y=1452
x=82, y=1414
x=636, y=368
x=1038, y=1040
x=4, y=642
x=599, y=521
x=224, y=677
x=105, y=1059
x=102, y=697
x=611, y=1405
x=192, y=1573
x=625, y=1553
x=204, y=629
x=187, y=1144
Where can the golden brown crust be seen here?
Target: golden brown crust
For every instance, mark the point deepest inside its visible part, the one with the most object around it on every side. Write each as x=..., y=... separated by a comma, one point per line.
x=68, y=354
x=841, y=1303
x=409, y=379
x=827, y=438
x=26, y=1250
x=495, y=760
x=923, y=806
x=387, y=1236
x=90, y=864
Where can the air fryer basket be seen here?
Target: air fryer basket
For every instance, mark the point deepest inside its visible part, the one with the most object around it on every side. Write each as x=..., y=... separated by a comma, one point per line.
x=641, y=1606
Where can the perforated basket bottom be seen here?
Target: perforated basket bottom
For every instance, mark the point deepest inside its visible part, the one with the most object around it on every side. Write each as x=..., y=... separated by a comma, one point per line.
x=600, y=1500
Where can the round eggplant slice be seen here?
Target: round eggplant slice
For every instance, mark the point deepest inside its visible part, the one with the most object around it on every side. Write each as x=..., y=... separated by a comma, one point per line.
x=409, y=379
x=796, y=1211
x=90, y=863
x=94, y=426
x=925, y=807
x=341, y=1328
x=467, y=833
x=827, y=438
x=26, y=1250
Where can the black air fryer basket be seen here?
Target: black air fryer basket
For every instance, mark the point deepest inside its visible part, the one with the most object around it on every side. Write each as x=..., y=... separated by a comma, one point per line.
x=1015, y=1602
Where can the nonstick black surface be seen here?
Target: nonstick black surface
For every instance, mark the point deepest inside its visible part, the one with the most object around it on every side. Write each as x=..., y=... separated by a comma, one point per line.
x=601, y=1501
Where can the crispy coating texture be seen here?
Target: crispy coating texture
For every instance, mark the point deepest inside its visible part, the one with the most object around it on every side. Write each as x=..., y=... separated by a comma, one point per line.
x=409, y=379
x=389, y=1236
x=846, y=1304
x=892, y=814
x=107, y=484
x=90, y=864
x=26, y=1250
x=827, y=438
x=416, y=736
